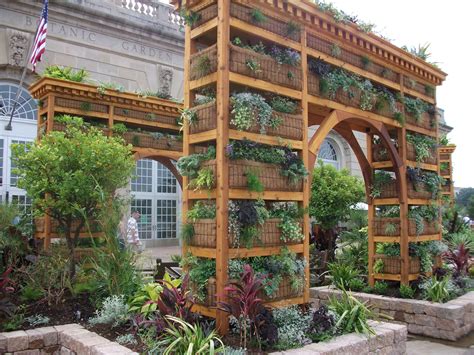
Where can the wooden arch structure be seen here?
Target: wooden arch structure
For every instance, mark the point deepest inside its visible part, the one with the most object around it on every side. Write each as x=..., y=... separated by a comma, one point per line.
x=151, y=126
x=301, y=26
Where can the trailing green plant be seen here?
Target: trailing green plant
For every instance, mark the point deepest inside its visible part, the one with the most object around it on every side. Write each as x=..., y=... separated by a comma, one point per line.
x=406, y=291
x=258, y=16
x=249, y=109
x=181, y=337
x=65, y=73
x=114, y=311
x=190, y=17
x=352, y=314
x=424, y=146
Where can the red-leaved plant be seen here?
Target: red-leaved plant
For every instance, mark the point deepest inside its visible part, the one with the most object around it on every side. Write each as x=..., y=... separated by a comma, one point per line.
x=244, y=304
x=458, y=257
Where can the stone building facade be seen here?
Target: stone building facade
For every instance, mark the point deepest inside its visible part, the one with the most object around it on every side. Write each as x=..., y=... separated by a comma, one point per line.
x=135, y=43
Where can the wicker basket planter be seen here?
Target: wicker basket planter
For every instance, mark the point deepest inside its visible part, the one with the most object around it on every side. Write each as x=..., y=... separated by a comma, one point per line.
x=389, y=190
x=392, y=264
x=411, y=154
x=269, y=69
x=270, y=24
x=380, y=153
x=426, y=121
x=145, y=140
x=269, y=175
x=205, y=15
x=291, y=126
x=429, y=228
x=207, y=56
x=380, y=226
x=418, y=190
x=205, y=234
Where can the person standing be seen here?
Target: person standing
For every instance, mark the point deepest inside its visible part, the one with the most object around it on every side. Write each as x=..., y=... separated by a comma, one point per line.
x=132, y=232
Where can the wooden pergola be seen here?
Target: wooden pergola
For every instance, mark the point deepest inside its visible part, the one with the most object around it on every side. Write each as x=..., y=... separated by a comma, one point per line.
x=104, y=108
x=317, y=36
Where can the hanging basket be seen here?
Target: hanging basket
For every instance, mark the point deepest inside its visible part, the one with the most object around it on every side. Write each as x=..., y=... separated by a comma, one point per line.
x=205, y=234
x=411, y=154
x=270, y=24
x=269, y=175
x=144, y=140
x=429, y=228
x=381, y=225
x=392, y=264
x=267, y=68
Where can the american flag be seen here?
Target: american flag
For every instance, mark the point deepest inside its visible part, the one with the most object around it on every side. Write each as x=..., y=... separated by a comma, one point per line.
x=39, y=45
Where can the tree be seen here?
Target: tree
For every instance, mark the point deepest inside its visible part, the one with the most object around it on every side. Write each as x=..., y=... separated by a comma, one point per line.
x=71, y=175
x=333, y=193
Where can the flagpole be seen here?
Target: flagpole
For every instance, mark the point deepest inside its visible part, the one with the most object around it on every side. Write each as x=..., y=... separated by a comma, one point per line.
x=8, y=127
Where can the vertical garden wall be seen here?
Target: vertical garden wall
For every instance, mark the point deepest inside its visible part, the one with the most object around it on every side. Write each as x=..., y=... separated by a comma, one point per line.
x=257, y=74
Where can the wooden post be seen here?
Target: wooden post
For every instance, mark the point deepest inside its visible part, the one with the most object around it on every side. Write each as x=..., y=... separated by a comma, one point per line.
x=370, y=218
x=222, y=169
x=305, y=157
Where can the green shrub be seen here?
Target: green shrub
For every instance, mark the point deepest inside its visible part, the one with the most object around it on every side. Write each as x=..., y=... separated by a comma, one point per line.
x=406, y=291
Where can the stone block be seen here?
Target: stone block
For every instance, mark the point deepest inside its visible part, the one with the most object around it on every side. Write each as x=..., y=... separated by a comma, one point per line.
x=50, y=335
x=16, y=341
x=35, y=339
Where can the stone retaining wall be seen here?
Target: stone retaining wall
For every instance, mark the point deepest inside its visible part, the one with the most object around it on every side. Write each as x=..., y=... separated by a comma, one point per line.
x=389, y=339
x=68, y=339
x=451, y=320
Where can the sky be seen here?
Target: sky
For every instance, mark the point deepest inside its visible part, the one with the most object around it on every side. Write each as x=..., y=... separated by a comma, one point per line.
x=446, y=26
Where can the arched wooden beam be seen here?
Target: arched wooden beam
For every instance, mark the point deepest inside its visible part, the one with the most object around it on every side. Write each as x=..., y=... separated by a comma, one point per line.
x=166, y=161
x=335, y=118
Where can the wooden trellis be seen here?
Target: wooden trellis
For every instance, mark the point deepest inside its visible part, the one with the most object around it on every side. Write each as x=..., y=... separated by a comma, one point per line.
x=317, y=35
x=104, y=108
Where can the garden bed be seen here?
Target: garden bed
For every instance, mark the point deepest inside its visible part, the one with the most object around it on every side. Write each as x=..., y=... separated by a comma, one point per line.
x=64, y=339
x=451, y=320
x=388, y=339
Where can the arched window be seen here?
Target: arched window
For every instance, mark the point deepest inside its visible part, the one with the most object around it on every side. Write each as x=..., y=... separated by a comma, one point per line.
x=328, y=154
x=26, y=107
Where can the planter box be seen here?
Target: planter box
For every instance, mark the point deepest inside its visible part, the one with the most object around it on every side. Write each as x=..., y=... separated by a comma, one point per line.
x=269, y=69
x=284, y=291
x=205, y=234
x=291, y=126
x=451, y=320
x=411, y=155
x=392, y=264
x=270, y=24
x=68, y=339
x=146, y=140
x=269, y=175
x=389, y=338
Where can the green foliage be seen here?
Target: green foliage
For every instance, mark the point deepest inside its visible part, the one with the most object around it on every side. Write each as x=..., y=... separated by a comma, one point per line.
x=119, y=128
x=342, y=274
x=181, y=337
x=352, y=314
x=65, y=73
x=72, y=175
x=258, y=16
x=424, y=146
x=406, y=291
x=249, y=109
x=333, y=194
x=380, y=287
x=114, y=311
x=253, y=181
